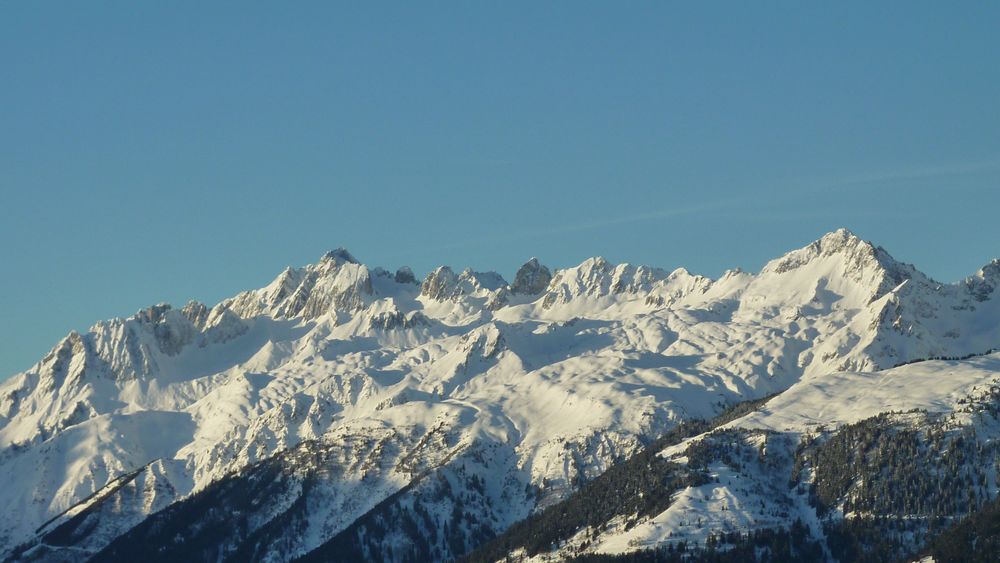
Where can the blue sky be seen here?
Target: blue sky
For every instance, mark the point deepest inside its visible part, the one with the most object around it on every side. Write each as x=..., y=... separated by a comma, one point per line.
x=164, y=152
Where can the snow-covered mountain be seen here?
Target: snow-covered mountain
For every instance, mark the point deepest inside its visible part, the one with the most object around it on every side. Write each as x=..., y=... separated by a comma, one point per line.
x=869, y=465
x=339, y=391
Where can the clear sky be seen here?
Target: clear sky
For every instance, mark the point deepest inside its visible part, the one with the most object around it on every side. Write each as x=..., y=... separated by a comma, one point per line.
x=168, y=151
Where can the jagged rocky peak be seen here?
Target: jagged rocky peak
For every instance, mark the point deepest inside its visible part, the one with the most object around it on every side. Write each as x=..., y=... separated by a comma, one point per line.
x=218, y=324
x=839, y=241
x=525, y=393
x=340, y=255
x=196, y=312
x=154, y=314
x=595, y=263
x=439, y=284
x=596, y=277
x=337, y=282
x=393, y=319
x=991, y=271
x=635, y=279
x=588, y=273
x=857, y=254
x=983, y=283
x=57, y=360
x=336, y=263
x=341, y=283
x=839, y=262
x=222, y=325
x=602, y=277
x=284, y=284
x=490, y=281
x=173, y=331
x=443, y=284
x=679, y=284
x=123, y=348
x=405, y=275
x=531, y=278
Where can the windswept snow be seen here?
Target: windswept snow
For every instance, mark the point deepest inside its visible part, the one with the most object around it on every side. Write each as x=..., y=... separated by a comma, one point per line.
x=572, y=369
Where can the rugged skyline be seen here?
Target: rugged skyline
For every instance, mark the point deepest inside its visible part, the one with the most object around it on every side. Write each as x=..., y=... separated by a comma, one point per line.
x=186, y=151
x=339, y=386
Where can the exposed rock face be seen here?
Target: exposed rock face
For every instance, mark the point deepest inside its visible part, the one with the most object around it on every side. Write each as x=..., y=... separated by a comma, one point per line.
x=498, y=299
x=223, y=325
x=860, y=262
x=196, y=312
x=982, y=285
x=391, y=320
x=337, y=282
x=340, y=256
x=443, y=284
x=596, y=278
x=531, y=279
x=540, y=385
x=172, y=329
x=439, y=284
x=405, y=275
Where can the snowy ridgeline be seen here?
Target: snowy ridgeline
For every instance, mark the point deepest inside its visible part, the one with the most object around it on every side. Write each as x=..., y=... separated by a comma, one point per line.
x=349, y=408
x=867, y=466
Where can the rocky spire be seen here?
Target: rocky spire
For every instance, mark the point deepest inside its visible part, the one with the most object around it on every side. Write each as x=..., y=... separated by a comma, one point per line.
x=340, y=256
x=531, y=279
x=405, y=275
x=439, y=284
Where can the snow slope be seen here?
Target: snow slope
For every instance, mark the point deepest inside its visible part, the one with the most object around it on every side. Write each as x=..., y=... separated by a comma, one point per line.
x=760, y=468
x=570, y=370
x=745, y=500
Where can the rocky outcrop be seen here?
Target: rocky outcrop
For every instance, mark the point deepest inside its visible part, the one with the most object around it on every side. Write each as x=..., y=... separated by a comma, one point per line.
x=531, y=279
x=405, y=275
x=439, y=284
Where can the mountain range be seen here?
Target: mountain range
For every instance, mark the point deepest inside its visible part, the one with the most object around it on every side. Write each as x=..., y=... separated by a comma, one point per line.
x=837, y=405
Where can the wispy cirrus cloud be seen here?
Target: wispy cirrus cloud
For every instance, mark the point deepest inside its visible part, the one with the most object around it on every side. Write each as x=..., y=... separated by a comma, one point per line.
x=737, y=206
x=917, y=172
x=593, y=224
